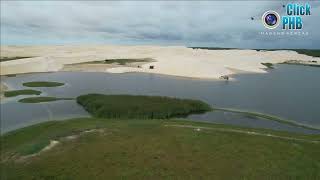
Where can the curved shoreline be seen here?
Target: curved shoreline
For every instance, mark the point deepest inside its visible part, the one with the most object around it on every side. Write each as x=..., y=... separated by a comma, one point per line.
x=268, y=117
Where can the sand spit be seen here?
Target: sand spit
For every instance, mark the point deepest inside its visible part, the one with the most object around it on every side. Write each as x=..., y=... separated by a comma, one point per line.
x=3, y=88
x=169, y=60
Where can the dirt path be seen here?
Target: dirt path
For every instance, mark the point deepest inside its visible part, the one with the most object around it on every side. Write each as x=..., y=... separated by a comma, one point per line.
x=199, y=128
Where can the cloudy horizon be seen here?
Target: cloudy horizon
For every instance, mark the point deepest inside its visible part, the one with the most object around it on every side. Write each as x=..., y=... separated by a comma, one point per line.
x=189, y=23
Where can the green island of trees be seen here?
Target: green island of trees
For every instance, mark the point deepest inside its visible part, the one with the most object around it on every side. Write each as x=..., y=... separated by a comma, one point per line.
x=42, y=84
x=145, y=107
x=14, y=93
x=42, y=99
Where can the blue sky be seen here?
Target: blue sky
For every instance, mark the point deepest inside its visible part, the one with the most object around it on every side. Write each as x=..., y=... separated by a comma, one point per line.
x=189, y=23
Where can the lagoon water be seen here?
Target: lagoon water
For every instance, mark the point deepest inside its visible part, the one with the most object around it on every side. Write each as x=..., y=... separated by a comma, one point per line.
x=288, y=91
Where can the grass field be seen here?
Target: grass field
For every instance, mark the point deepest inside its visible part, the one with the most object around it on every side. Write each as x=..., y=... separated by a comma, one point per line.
x=42, y=84
x=157, y=149
x=41, y=99
x=145, y=107
x=21, y=92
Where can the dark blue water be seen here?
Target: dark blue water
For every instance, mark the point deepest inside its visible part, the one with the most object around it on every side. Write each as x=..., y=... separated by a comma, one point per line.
x=289, y=91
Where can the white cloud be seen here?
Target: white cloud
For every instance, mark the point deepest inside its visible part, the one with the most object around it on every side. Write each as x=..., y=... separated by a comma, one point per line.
x=203, y=23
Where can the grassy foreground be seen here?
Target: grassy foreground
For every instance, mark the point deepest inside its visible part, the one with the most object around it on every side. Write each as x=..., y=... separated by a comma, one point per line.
x=156, y=149
x=42, y=84
x=145, y=107
x=21, y=92
x=41, y=99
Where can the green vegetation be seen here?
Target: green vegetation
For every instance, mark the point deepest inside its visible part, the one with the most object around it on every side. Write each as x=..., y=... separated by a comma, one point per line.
x=21, y=92
x=42, y=84
x=268, y=117
x=294, y=62
x=41, y=99
x=157, y=149
x=125, y=61
x=2, y=59
x=145, y=107
x=213, y=48
x=309, y=52
x=119, y=61
x=11, y=75
x=268, y=65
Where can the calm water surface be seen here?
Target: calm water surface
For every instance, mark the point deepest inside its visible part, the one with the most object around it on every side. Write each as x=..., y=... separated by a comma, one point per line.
x=291, y=92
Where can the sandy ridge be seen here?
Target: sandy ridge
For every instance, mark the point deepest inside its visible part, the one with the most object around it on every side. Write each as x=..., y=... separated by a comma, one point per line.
x=169, y=60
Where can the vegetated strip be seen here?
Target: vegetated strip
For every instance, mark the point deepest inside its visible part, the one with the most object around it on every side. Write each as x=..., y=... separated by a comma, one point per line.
x=11, y=75
x=2, y=59
x=309, y=52
x=268, y=65
x=42, y=84
x=268, y=116
x=41, y=99
x=14, y=93
x=118, y=61
x=143, y=107
x=293, y=62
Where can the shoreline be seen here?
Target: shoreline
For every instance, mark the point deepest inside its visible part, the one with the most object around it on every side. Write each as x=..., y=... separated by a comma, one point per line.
x=3, y=87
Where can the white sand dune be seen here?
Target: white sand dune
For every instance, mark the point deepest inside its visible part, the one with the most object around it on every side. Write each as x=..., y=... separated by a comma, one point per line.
x=169, y=60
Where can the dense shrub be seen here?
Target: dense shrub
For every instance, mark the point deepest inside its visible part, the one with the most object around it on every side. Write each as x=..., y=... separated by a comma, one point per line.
x=146, y=107
x=21, y=92
x=42, y=84
x=41, y=99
